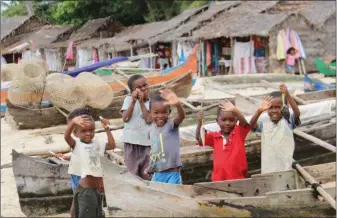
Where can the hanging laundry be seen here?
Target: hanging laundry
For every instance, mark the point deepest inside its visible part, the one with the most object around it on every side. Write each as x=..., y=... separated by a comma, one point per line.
x=69, y=54
x=182, y=56
x=215, y=59
x=95, y=56
x=208, y=54
x=287, y=38
x=244, y=61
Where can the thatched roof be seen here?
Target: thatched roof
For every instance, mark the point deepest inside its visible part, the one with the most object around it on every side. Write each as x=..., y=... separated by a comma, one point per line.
x=194, y=23
x=40, y=38
x=231, y=21
x=320, y=12
x=9, y=25
x=90, y=29
x=163, y=26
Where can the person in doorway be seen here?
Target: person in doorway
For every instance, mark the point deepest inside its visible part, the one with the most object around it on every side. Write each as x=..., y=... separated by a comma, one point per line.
x=290, y=60
x=277, y=139
x=165, y=160
x=229, y=156
x=137, y=119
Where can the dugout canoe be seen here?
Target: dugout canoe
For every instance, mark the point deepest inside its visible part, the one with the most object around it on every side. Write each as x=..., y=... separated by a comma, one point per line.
x=265, y=195
x=43, y=184
x=27, y=118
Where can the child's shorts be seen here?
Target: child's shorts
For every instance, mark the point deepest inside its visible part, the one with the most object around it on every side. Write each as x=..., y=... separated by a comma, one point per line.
x=167, y=177
x=289, y=68
x=88, y=203
x=75, y=181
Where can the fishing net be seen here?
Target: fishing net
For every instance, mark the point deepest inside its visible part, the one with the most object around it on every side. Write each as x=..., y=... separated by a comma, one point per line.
x=98, y=93
x=40, y=62
x=60, y=90
x=8, y=71
x=27, y=85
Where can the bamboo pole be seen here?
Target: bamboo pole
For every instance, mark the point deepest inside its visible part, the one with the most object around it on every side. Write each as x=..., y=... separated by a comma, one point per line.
x=203, y=58
x=314, y=185
x=303, y=65
x=200, y=59
x=150, y=49
x=299, y=67
x=299, y=100
x=315, y=140
x=121, y=73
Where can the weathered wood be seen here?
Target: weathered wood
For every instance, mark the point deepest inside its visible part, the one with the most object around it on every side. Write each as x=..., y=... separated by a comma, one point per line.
x=312, y=181
x=116, y=157
x=147, y=201
x=245, y=104
x=315, y=140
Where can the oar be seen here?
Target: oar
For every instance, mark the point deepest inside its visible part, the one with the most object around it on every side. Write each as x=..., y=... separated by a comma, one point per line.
x=314, y=185
x=315, y=140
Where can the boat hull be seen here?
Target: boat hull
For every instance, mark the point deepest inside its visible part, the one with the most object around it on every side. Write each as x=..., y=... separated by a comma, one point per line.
x=21, y=117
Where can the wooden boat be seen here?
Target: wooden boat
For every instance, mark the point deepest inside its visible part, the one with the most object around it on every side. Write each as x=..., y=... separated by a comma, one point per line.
x=326, y=66
x=43, y=184
x=21, y=117
x=311, y=84
x=275, y=194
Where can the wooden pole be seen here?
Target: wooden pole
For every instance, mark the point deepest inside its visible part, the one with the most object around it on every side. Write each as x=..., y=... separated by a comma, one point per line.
x=299, y=100
x=200, y=59
x=121, y=73
x=315, y=140
x=230, y=71
x=203, y=58
x=303, y=65
x=150, y=49
x=316, y=186
x=299, y=67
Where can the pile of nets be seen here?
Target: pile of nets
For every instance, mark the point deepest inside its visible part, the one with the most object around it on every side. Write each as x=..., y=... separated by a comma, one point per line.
x=28, y=82
x=8, y=71
x=71, y=93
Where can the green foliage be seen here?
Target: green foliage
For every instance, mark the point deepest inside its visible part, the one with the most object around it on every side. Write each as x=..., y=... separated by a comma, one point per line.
x=15, y=9
x=128, y=12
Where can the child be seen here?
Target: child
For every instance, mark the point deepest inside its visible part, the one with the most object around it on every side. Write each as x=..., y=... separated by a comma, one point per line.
x=75, y=179
x=277, y=139
x=164, y=135
x=290, y=60
x=136, y=116
x=87, y=164
x=229, y=156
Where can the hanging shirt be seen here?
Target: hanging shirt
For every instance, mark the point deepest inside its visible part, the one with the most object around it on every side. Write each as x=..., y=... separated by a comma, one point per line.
x=229, y=156
x=277, y=144
x=165, y=147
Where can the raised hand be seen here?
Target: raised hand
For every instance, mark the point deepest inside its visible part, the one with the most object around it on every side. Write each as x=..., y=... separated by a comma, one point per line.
x=135, y=95
x=104, y=122
x=226, y=105
x=284, y=89
x=81, y=120
x=265, y=103
x=140, y=96
x=170, y=97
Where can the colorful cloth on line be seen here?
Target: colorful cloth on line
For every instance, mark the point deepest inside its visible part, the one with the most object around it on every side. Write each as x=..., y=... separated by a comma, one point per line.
x=289, y=38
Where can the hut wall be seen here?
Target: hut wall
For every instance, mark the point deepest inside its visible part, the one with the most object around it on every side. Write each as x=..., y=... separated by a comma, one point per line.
x=330, y=37
x=310, y=39
x=85, y=57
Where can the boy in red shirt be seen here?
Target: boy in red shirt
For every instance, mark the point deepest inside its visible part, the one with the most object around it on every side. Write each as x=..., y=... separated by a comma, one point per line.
x=229, y=156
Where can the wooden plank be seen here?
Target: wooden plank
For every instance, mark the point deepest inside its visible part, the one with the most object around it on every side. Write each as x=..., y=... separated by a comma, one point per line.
x=315, y=140
x=245, y=104
x=260, y=184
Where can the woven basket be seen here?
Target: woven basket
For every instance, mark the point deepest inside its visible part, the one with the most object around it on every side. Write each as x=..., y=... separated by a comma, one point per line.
x=8, y=71
x=60, y=90
x=27, y=85
x=40, y=62
x=98, y=93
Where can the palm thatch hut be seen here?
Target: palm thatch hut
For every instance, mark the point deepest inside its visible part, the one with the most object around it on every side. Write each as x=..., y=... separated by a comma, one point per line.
x=33, y=45
x=320, y=41
x=93, y=29
x=14, y=29
x=135, y=40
